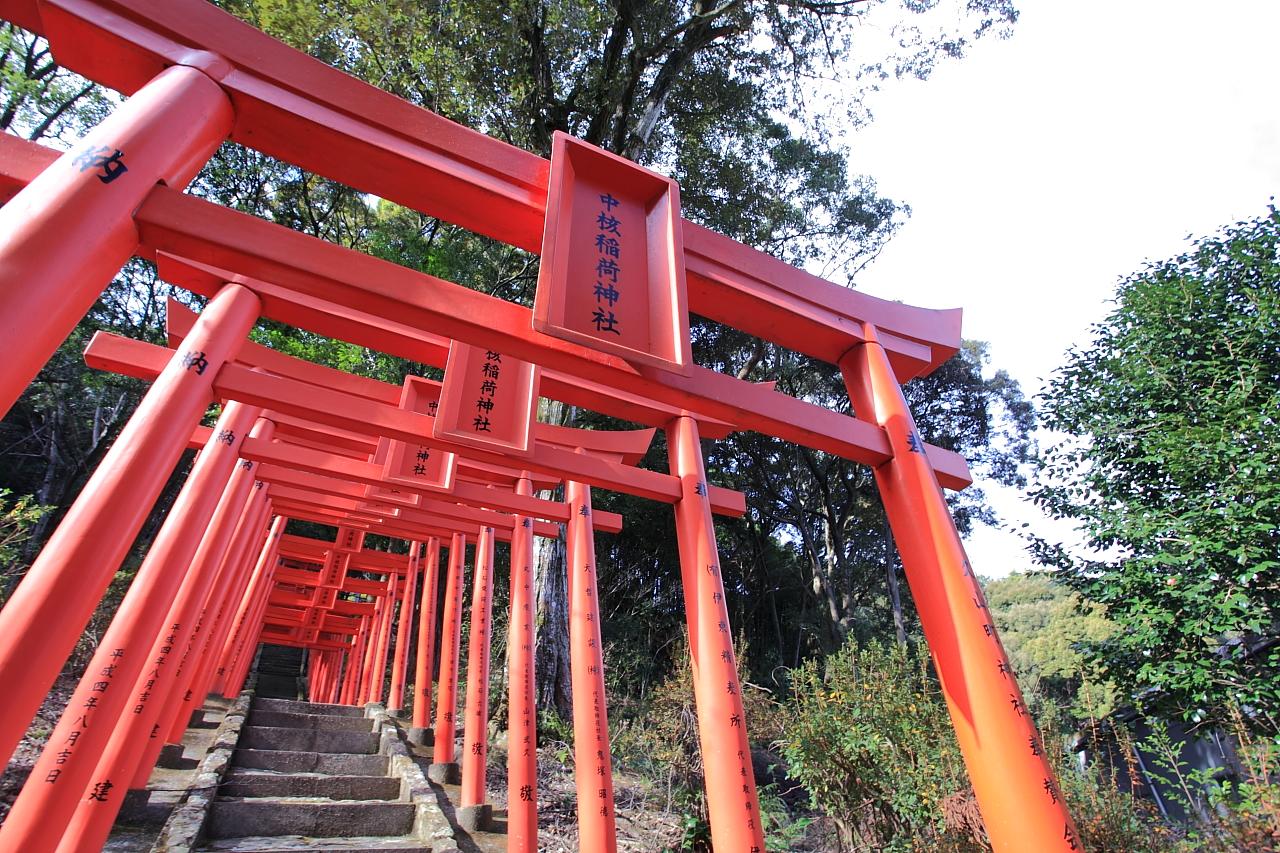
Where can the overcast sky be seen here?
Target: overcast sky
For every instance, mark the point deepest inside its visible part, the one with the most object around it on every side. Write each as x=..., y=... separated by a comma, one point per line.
x=1043, y=168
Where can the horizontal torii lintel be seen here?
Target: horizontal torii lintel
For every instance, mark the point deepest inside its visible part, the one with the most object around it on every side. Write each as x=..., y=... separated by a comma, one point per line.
x=294, y=107
x=166, y=223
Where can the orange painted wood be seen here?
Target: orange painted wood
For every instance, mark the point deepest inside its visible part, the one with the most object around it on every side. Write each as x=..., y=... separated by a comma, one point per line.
x=612, y=272
x=71, y=228
x=475, y=730
x=450, y=639
x=1017, y=793
x=426, y=635
x=111, y=352
x=297, y=108
x=593, y=764
x=94, y=715
x=522, y=712
x=487, y=401
x=44, y=617
x=732, y=804
x=400, y=663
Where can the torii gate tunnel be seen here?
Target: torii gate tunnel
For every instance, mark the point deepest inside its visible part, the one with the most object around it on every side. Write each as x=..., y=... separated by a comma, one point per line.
x=441, y=466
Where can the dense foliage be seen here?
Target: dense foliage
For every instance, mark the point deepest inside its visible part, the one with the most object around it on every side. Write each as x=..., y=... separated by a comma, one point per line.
x=1171, y=468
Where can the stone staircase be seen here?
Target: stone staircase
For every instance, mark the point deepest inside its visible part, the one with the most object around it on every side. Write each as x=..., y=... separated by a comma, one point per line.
x=321, y=777
x=279, y=671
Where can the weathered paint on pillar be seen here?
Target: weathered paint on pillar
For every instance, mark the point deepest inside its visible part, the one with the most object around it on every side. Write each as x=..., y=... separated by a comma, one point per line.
x=43, y=619
x=1017, y=793
x=399, y=668
x=65, y=769
x=593, y=764
x=732, y=805
x=450, y=640
x=426, y=635
x=475, y=735
x=65, y=235
x=522, y=719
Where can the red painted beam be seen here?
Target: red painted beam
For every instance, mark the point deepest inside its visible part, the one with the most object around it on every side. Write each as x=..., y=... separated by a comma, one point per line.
x=296, y=108
x=355, y=414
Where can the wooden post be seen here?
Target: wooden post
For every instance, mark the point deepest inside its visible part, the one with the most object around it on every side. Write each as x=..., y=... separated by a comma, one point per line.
x=395, y=701
x=1017, y=793
x=65, y=234
x=522, y=713
x=444, y=766
x=473, y=809
x=43, y=619
x=592, y=762
x=426, y=643
x=732, y=805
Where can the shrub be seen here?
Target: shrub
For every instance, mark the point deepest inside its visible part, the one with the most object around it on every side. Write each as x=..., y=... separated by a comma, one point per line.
x=869, y=738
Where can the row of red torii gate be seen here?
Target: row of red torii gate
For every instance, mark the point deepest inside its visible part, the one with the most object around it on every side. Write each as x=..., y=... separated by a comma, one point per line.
x=440, y=465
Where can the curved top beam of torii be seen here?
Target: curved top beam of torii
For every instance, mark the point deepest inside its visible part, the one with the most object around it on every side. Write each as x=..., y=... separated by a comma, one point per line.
x=296, y=108
x=293, y=106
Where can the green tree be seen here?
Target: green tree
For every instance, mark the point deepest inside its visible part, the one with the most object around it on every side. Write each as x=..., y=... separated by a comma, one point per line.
x=1171, y=468
x=1042, y=624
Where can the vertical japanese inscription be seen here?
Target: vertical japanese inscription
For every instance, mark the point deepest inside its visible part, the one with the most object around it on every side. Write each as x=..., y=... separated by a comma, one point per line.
x=608, y=267
x=489, y=376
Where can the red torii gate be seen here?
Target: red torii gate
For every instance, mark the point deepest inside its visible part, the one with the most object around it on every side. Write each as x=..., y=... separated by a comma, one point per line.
x=187, y=65
x=311, y=497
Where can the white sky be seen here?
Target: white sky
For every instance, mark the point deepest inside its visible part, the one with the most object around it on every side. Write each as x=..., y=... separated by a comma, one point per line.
x=1044, y=168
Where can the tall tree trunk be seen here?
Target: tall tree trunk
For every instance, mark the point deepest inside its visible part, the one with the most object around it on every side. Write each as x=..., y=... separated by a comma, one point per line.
x=552, y=682
x=895, y=599
x=551, y=629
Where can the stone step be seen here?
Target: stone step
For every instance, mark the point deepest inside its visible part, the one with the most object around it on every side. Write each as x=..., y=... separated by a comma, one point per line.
x=307, y=740
x=290, y=706
x=333, y=819
x=321, y=722
x=289, y=761
x=282, y=843
x=243, y=785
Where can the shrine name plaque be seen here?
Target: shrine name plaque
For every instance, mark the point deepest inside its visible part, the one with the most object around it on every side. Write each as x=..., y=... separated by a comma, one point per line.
x=612, y=276
x=412, y=464
x=489, y=400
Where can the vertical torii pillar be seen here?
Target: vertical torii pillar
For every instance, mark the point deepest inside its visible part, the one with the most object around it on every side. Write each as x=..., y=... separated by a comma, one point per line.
x=732, y=805
x=163, y=684
x=260, y=583
x=592, y=762
x=372, y=641
x=64, y=771
x=1017, y=793
x=395, y=701
x=379, y=674
x=129, y=754
x=522, y=726
x=420, y=732
x=444, y=767
x=44, y=617
x=473, y=810
x=355, y=662
x=237, y=652
x=246, y=542
x=70, y=230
